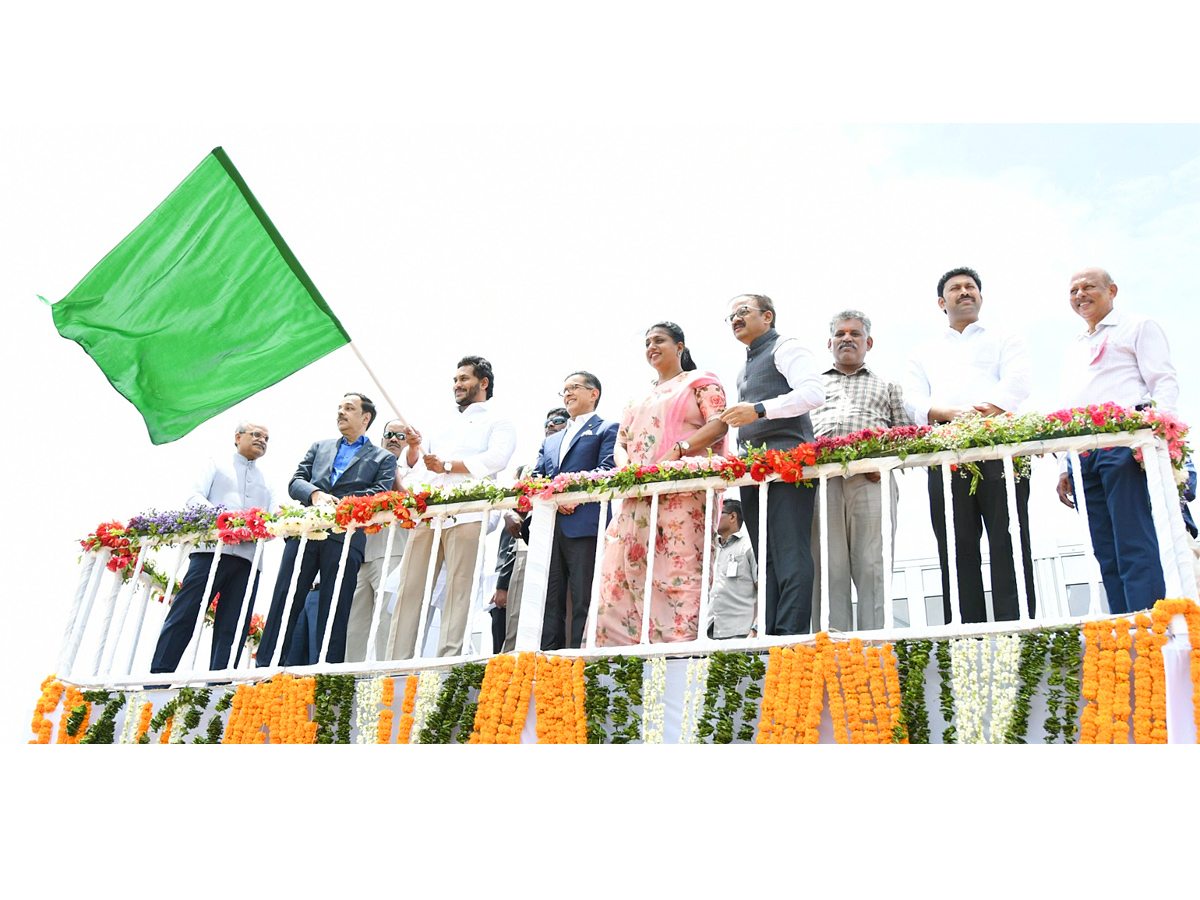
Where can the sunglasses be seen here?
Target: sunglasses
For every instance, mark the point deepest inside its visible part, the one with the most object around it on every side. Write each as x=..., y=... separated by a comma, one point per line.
x=388, y=435
x=556, y=420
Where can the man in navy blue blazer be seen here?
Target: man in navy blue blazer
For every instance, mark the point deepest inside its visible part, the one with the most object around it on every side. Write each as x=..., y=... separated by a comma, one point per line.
x=348, y=466
x=584, y=445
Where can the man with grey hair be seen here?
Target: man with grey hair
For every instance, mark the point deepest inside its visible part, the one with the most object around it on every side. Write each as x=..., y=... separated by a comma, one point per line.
x=856, y=398
x=234, y=483
x=1121, y=358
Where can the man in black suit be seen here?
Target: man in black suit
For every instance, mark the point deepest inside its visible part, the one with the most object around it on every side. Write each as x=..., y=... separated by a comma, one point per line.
x=348, y=466
x=585, y=444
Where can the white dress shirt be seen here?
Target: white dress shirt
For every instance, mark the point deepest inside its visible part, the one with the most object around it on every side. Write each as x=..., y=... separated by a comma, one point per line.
x=481, y=438
x=798, y=365
x=573, y=428
x=235, y=483
x=1126, y=360
x=978, y=365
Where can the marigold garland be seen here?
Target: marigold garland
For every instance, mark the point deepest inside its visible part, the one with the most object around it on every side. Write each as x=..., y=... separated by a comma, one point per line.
x=1163, y=612
x=52, y=691
x=77, y=721
x=406, y=709
x=559, y=701
x=383, y=729
x=280, y=704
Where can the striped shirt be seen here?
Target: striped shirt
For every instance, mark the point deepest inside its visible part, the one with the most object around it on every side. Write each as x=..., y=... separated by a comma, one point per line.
x=858, y=401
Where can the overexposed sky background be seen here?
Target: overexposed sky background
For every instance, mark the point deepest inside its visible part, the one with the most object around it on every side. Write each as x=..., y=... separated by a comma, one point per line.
x=539, y=185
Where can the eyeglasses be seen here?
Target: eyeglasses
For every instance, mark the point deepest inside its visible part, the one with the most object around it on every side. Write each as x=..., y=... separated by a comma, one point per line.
x=741, y=312
x=572, y=388
x=258, y=435
x=556, y=420
x=388, y=435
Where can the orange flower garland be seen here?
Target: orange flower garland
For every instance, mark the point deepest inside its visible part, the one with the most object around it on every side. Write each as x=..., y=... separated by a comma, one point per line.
x=144, y=721
x=165, y=737
x=384, y=729
x=891, y=679
x=74, y=699
x=504, y=699
x=52, y=691
x=1122, y=663
x=280, y=704
x=1091, y=682
x=406, y=709
x=558, y=701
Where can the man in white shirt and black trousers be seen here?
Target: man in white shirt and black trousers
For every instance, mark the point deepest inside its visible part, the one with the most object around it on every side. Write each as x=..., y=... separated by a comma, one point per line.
x=777, y=387
x=971, y=368
x=1124, y=359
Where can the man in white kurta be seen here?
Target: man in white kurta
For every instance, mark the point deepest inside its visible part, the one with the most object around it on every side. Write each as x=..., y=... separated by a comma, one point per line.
x=478, y=444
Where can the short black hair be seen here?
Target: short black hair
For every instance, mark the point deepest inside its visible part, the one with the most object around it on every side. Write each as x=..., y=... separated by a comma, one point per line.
x=765, y=303
x=559, y=411
x=591, y=381
x=367, y=405
x=961, y=270
x=735, y=507
x=481, y=369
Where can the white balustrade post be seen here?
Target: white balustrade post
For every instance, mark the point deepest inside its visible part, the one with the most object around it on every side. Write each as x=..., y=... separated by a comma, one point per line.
x=1168, y=522
x=1093, y=566
x=288, y=600
x=823, y=499
x=198, y=628
x=337, y=593
x=1014, y=535
x=125, y=600
x=240, y=643
x=66, y=659
x=887, y=480
x=593, y=616
x=762, y=559
x=951, y=544
x=537, y=576
x=706, y=568
x=427, y=595
x=377, y=606
x=1183, y=558
x=106, y=622
x=647, y=596
x=472, y=600
x=65, y=653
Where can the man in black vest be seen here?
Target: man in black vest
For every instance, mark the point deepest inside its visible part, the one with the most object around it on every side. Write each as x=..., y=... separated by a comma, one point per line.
x=777, y=387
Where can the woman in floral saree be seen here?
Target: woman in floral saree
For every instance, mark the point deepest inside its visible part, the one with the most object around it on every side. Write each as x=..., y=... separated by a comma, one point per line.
x=679, y=417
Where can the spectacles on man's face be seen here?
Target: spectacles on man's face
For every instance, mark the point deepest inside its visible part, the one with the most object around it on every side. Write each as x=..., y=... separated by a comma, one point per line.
x=258, y=436
x=388, y=435
x=572, y=388
x=556, y=420
x=741, y=312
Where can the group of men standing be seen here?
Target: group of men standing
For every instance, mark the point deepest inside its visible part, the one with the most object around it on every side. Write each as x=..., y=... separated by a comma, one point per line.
x=785, y=398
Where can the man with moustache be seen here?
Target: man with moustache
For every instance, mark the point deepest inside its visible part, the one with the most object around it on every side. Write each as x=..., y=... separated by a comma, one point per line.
x=348, y=466
x=778, y=386
x=374, y=568
x=586, y=444
x=856, y=398
x=478, y=444
x=235, y=484
x=969, y=369
x=1124, y=359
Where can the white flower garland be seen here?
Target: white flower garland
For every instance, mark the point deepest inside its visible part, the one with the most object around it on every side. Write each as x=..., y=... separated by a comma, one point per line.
x=693, y=697
x=368, y=697
x=133, y=715
x=1006, y=665
x=654, y=688
x=965, y=677
x=313, y=521
x=429, y=689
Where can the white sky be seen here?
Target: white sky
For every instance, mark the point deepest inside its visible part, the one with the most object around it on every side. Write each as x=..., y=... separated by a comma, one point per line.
x=539, y=186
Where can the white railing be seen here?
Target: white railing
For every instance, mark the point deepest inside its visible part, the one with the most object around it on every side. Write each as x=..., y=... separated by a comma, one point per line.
x=104, y=670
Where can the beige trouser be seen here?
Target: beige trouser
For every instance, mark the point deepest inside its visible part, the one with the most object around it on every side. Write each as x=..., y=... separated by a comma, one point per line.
x=855, y=552
x=512, y=609
x=457, y=550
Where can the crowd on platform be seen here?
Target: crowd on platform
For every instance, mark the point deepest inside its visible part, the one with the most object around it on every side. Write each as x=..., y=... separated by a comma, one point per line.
x=785, y=397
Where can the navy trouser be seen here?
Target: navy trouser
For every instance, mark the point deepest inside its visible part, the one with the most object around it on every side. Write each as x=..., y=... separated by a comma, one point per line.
x=789, y=555
x=1118, y=508
x=230, y=582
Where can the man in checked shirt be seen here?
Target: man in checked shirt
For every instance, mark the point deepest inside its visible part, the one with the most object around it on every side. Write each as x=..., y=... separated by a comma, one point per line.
x=855, y=398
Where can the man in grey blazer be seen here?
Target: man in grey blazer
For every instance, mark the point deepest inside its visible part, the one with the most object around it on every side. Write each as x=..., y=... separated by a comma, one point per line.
x=348, y=466
x=584, y=445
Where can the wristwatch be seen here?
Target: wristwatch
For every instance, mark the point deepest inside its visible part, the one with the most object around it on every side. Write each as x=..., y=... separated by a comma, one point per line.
x=760, y=409
x=683, y=445
x=447, y=465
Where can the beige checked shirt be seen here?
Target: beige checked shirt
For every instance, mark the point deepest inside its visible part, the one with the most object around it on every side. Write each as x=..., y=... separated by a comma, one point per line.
x=858, y=401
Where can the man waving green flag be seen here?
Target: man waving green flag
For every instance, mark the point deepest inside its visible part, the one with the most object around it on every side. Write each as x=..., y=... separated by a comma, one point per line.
x=201, y=306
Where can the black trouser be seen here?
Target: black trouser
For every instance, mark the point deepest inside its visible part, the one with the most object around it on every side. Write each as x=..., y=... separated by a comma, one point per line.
x=230, y=582
x=986, y=508
x=572, y=566
x=789, y=570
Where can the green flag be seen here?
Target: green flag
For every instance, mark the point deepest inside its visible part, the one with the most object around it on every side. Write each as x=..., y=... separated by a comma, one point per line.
x=201, y=306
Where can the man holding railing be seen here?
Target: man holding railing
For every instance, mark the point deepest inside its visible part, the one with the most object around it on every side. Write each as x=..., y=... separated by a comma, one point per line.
x=236, y=484
x=778, y=386
x=348, y=466
x=972, y=369
x=1124, y=359
x=477, y=444
x=856, y=398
